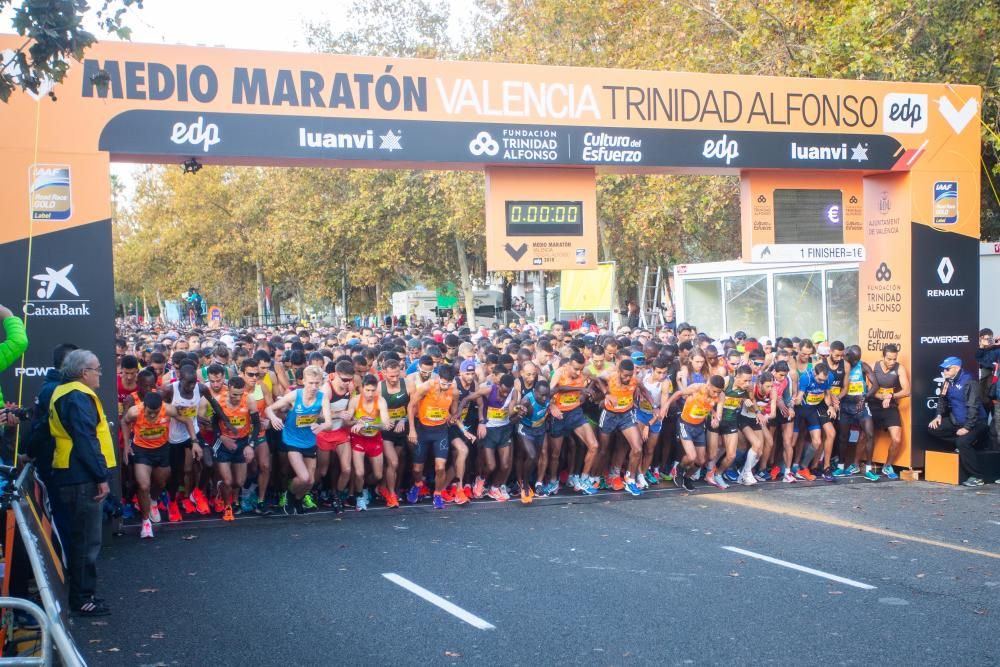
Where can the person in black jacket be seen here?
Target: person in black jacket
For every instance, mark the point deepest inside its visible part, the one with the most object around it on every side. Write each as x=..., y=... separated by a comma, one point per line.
x=961, y=418
x=988, y=358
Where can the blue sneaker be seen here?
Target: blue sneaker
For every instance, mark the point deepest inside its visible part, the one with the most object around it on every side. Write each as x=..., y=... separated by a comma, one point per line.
x=871, y=476
x=438, y=501
x=840, y=472
x=361, y=504
x=853, y=469
x=552, y=488
x=587, y=489
x=632, y=487
x=413, y=495
x=128, y=511
x=731, y=476
x=889, y=472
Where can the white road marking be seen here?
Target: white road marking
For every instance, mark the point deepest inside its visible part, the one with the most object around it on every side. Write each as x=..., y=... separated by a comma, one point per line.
x=439, y=601
x=801, y=568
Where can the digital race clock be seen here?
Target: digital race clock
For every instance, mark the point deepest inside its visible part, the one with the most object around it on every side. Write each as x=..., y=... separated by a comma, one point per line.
x=544, y=218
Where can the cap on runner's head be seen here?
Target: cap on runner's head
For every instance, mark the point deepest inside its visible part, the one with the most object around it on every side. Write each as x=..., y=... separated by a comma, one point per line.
x=467, y=366
x=413, y=343
x=823, y=350
x=740, y=335
x=638, y=358
x=818, y=337
x=951, y=361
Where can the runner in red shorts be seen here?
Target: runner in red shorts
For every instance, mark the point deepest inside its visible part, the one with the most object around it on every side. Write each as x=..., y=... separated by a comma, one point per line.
x=369, y=417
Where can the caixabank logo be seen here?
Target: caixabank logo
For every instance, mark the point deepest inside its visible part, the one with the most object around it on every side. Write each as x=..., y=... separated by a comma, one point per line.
x=53, y=290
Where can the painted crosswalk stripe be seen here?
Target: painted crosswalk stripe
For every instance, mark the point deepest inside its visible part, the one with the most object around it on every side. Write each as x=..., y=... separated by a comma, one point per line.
x=800, y=568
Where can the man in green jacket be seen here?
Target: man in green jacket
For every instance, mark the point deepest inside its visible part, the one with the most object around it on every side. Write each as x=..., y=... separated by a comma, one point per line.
x=14, y=344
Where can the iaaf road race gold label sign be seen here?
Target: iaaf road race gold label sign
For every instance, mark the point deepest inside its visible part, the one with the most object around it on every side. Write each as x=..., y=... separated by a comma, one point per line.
x=50, y=192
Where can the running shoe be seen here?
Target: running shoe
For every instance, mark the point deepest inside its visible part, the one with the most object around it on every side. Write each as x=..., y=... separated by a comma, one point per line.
x=721, y=482
x=673, y=470
x=641, y=482
x=573, y=481
x=696, y=476
x=460, y=496
x=650, y=477
x=163, y=501
x=495, y=494
x=219, y=506
x=468, y=491
x=283, y=500
x=678, y=480
x=688, y=484
x=438, y=501
x=147, y=530
x=154, y=513
x=889, y=472
x=362, y=502
x=128, y=512
x=413, y=495
x=828, y=475
x=540, y=490
x=200, y=501
x=261, y=509
x=288, y=508
x=730, y=475
x=479, y=488
x=337, y=504
x=391, y=502
x=853, y=469
x=775, y=473
x=227, y=513
x=309, y=504
x=187, y=506
x=602, y=484
x=871, y=476
x=447, y=496
x=632, y=487
x=588, y=489
x=525, y=497
x=713, y=480
x=552, y=488
x=747, y=479
x=425, y=491
x=973, y=481
x=807, y=474
x=504, y=492
x=789, y=478
x=762, y=476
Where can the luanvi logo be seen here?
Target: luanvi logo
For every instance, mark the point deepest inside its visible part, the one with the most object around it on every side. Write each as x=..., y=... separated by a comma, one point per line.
x=904, y=113
x=198, y=132
x=51, y=286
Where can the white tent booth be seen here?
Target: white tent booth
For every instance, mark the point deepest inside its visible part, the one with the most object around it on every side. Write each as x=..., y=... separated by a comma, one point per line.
x=769, y=299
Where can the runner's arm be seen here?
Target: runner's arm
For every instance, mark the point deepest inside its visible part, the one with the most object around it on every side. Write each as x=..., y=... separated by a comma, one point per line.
x=904, y=384
x=352, y=406
x=207, y=393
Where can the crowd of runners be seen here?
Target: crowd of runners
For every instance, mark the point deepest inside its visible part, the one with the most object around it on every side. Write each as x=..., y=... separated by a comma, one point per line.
x=263, y=421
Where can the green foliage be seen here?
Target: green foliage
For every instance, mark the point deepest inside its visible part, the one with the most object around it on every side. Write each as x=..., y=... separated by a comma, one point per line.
x=54, y=33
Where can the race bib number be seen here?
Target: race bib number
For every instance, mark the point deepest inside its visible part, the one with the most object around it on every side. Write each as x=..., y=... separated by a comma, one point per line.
x=699, y=411
x=645, y=405
x=238, y=421
x=624, y=401
x=368, y=429
x=152, y=433
x=436, y=414
x=732, y=403
x=884, y=393
x=398, y=413
x=855, y=389
x=814, y=399
x=303, y=421
x=569, y=400
x=496, y=413
x=188, y=412
x=835, y=390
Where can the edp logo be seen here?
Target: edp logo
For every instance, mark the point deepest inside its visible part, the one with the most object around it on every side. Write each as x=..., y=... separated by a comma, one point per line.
x=721, y=148
x=198, y=132
x=903, y=113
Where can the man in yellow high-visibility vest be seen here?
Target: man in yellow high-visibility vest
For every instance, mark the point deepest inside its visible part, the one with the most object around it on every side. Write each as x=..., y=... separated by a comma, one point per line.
x=81, y=469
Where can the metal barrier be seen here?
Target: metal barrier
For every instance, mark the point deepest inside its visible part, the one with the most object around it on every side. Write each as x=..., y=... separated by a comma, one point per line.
x=52, y=626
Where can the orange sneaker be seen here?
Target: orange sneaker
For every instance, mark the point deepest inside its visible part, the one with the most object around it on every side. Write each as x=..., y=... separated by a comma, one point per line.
x=447, y=496
x=227, y=514
x=382, y=492
x=188, y=506
x=617, y=483
x=460, y=496
x=807, y=474
x=479, y=488
x=200, y=501
x=527, y=495
x=174, y=512
x=220, y=506
x=391, y=500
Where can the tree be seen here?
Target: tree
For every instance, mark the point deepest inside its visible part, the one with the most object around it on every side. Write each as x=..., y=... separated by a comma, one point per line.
x=53, y=32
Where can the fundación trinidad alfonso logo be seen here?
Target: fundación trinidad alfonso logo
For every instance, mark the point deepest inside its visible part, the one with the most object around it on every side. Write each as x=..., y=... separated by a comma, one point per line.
x=484, y=144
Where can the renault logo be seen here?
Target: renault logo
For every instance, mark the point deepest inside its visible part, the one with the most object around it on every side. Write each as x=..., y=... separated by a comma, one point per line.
x=945, y=270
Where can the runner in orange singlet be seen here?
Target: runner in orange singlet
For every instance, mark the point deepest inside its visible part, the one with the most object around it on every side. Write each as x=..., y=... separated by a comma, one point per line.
x=699, y=407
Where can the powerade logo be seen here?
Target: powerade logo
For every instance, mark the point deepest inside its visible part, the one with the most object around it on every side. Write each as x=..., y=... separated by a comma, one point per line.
x=904, y=113
x=946, y=202
x=32, y=371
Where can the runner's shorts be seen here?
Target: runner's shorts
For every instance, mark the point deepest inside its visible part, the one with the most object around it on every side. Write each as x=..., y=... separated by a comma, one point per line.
x=854, y=412
x=536, y=434
x=748, y=422
x=571, y=421
x=156, y=457
x=369, y=445
x=328, y=441
x=498, y=437
x=646, y=418
x=431, y=439
x=306, y=452
x=223, y=455
x=617, y=421
x=813, y=417
x=885, y=417
x=693, y=432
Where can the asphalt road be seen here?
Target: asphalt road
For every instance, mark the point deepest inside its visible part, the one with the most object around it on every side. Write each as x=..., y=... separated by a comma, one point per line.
x=608, y=581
